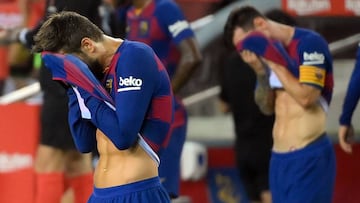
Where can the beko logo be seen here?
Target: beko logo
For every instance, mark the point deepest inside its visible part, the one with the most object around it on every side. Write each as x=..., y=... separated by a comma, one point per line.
x=313, y=58
x=129, y=83
x=178, y=27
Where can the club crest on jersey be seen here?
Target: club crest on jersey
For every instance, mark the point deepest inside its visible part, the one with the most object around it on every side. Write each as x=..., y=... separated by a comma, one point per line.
x=108, y=85
x=144, y=27
x=129, y=83
x=319, y=75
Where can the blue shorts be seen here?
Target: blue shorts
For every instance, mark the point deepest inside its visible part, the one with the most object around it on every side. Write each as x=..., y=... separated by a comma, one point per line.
x=305, y=175
x=146, y=191
x=169, y=169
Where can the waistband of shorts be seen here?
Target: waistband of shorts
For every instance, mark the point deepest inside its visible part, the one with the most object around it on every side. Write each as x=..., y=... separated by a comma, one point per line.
x=319, y=143
x=128, y=188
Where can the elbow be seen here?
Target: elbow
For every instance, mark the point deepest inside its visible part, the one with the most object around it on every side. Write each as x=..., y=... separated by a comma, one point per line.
x=197, y=60
x=267, y=111
x=122, y=142
x=84, y=147
x=84, y=150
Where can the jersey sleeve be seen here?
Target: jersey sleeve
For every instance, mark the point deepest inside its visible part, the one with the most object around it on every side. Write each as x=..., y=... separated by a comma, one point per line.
x=352, y=94
x=172, y=19
x=82, y=130
x=137, y=78
x=313, y=61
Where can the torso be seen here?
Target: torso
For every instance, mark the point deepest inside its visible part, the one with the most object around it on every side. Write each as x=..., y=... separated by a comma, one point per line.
x=294, y=126
x=119, y=167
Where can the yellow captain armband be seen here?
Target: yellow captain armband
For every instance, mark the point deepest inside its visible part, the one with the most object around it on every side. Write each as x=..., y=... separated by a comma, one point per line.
x=312, y=75
x=37, y=61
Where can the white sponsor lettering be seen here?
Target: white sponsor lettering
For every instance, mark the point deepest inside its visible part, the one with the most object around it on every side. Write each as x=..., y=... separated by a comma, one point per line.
x=10, y=20
x=129, y=83
x=306, y=7
x=313, y=58
x=353, y=5
x=14, y=162
x=178, y=27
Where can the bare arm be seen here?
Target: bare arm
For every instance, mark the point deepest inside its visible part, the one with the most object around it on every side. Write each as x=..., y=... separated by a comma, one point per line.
x=264, y=94
x=190, y=59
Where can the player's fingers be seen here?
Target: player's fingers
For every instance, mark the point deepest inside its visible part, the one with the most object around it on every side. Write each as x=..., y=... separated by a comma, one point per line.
x=342, y=142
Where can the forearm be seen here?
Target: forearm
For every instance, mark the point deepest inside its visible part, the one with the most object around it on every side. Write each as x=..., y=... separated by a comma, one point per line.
x=264, y=95
x=82, y=130
x=190, y=60
x=184, y=71
x=304, y=95
x=105, y=118
x=351, y=98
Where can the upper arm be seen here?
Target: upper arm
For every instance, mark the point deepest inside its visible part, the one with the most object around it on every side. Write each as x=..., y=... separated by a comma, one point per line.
x=173, y=21
x=315, y=62
x=137, y=78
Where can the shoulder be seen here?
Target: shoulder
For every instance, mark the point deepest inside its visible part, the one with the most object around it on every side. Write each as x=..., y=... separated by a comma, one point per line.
x=165, y=5
x=308, y=37
x=134, y=48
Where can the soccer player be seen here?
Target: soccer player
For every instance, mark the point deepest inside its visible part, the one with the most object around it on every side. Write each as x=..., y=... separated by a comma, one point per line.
x=302, y=165
x=253, y=129
x=130, y=131
x=162, y=25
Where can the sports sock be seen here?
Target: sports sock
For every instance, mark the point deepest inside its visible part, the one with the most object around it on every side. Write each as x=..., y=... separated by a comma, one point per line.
x=49, y=187
x=82, y=186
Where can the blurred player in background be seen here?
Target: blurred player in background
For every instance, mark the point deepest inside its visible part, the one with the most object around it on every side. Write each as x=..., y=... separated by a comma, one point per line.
x=302, y=166
x=162, y=25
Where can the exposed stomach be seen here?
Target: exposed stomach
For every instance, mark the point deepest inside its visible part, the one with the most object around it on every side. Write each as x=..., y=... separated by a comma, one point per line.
x=119, y=167
x=295, y=127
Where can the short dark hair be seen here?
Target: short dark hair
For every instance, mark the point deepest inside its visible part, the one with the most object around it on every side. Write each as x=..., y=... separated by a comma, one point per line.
x=64, y=31
x=281, y=16
x=240, y=17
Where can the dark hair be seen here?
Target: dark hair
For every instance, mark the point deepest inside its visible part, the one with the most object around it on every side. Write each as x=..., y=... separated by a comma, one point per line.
x=241, y=17
x=281, y=16
x=64, y=31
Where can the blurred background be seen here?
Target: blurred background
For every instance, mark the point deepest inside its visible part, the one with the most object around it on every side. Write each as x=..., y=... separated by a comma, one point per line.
x=337, y=20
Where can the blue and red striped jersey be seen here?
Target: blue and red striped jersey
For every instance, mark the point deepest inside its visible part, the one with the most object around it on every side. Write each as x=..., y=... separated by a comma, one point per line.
x=140, y=86
x=161, y=25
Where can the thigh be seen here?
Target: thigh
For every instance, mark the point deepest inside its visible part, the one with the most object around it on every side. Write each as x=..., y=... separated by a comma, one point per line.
x=307, y=179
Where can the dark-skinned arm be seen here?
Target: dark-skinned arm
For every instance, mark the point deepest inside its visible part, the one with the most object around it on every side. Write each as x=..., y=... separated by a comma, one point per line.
x=190, y=59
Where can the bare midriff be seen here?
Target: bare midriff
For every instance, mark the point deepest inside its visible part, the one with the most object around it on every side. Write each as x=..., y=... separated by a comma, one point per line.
x=119, y=167
x=295, y=127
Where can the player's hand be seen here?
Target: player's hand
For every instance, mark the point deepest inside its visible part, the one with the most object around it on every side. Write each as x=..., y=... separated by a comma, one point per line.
x=346, y=137
x=254, y=61
x=272, y=65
